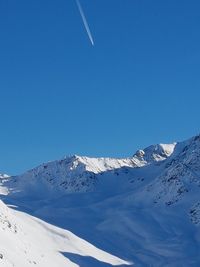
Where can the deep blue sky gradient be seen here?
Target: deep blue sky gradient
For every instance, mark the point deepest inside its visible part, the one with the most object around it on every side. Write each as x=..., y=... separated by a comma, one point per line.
x=139, y=84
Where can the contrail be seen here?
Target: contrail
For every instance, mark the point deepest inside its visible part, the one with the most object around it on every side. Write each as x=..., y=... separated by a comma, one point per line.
x=85, y=22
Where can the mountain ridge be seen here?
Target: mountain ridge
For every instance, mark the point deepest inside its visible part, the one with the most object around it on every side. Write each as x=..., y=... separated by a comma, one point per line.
x=145, y=208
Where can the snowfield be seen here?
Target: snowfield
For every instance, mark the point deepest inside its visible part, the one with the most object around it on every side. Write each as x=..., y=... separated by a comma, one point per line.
x=95, y=212
x=27, y=241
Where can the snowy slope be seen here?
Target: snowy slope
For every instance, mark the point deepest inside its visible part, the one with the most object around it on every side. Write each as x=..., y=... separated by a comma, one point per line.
x=144, y=209
x=27, y=241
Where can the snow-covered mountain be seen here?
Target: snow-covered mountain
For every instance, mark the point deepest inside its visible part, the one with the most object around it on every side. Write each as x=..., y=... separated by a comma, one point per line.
x=143, y=209
x=80, y=174
x=180, y=174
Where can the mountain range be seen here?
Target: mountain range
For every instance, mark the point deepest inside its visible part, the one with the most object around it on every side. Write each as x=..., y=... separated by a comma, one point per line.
x=94, y=212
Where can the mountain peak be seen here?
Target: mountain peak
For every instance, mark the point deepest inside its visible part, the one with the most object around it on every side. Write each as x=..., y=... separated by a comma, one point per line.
x=155, y=153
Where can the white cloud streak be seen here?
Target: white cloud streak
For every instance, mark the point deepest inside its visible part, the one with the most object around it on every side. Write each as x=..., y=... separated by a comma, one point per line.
x=85, y=22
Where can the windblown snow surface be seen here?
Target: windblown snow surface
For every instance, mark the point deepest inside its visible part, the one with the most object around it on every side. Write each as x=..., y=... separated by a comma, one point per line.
x=92, y=212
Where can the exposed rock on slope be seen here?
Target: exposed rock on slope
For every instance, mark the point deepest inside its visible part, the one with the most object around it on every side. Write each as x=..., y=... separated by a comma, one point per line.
x=180, y=175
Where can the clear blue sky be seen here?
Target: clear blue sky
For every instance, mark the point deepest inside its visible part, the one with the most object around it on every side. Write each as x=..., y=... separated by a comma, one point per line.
x=139, y=84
